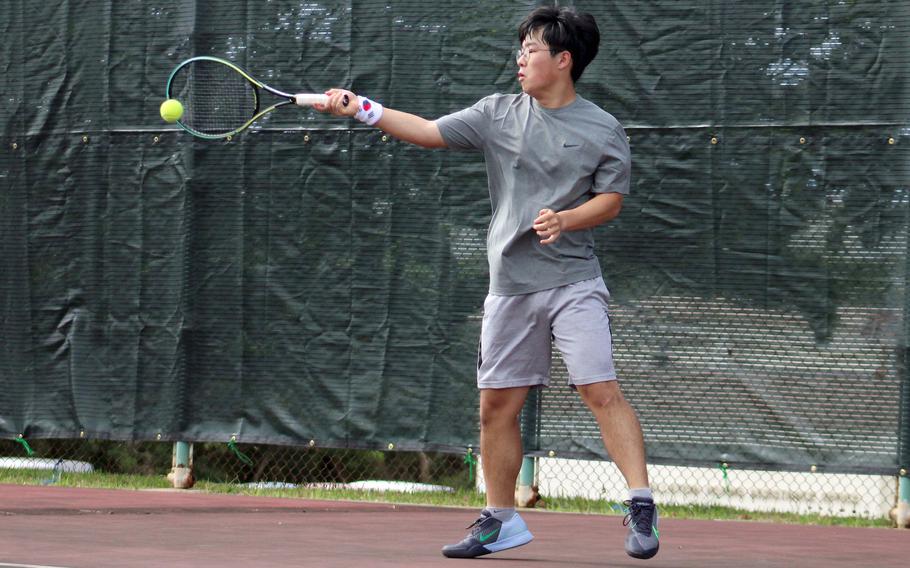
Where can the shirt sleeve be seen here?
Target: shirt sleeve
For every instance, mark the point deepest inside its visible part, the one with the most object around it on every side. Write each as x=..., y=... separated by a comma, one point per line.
x=614, y=174
x=466, y=129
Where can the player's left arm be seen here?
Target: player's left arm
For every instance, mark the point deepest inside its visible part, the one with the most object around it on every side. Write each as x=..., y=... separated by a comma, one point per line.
x=611, y=182
x=596, y=211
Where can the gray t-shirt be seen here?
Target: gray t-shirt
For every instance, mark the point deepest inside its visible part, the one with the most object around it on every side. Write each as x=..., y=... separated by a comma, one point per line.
x=539, y=158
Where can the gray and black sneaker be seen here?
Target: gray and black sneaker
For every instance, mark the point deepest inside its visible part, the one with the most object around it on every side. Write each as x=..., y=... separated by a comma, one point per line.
x=490, y=535
x=641, y=541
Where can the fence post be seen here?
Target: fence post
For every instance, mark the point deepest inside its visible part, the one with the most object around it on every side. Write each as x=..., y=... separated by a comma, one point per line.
x=902, y=511
x=181, y=475
x=525, y=494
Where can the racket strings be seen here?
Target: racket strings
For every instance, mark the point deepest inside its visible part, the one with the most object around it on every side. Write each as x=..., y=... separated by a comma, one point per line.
x=216, y=98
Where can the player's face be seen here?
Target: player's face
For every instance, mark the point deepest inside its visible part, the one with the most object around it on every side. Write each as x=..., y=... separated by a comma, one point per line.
x=537, y=66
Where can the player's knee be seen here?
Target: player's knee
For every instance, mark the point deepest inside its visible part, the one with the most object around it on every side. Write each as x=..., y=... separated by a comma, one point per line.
x=501, y=407
x=601, y=395
x=494, y=414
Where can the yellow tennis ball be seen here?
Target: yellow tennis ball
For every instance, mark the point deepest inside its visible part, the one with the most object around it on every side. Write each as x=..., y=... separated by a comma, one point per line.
x=171, y=110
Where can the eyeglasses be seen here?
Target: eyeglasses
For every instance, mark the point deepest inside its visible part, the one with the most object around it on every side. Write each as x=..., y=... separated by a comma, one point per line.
x=525, y=52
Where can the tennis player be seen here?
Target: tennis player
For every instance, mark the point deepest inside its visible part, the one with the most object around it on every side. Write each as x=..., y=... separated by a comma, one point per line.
x=557, y=166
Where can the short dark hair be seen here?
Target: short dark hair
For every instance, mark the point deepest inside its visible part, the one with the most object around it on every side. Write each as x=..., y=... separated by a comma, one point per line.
x=564, y=29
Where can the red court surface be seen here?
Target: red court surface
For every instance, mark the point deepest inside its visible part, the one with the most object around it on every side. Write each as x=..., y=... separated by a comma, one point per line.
x=97, y=528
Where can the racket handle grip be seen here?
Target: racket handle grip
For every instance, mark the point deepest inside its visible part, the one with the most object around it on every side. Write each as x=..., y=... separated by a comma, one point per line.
x=307, y=99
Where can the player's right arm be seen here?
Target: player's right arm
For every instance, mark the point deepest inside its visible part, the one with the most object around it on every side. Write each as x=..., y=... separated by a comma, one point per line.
x=411, y=128
x=404, y=126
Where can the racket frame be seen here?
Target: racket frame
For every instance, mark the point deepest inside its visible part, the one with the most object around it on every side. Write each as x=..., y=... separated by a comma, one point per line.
x=289, y=99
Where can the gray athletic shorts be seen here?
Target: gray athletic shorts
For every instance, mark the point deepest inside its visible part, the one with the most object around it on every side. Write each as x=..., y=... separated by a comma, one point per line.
x=515, y=340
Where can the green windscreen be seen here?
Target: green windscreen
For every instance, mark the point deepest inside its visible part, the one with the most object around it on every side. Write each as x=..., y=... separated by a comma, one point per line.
x=313, y=279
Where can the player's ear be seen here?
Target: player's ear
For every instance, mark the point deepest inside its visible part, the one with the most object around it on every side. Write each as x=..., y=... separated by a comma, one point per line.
x=565, y=60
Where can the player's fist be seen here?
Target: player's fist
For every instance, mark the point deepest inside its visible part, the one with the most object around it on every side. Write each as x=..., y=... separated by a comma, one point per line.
x=341, y=103
x=548, y=226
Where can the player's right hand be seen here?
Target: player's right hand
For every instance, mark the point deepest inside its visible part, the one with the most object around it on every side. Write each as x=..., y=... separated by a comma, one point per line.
x=336, y=106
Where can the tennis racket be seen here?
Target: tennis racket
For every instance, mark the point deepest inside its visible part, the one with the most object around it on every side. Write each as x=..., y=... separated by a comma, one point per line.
x=220, y=99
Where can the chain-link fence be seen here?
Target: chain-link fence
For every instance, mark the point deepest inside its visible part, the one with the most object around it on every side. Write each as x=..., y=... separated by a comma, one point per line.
x=257, y=465
x=391, y=472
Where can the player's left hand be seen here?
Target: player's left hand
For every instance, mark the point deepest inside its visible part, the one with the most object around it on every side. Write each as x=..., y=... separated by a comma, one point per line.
x=548, y=226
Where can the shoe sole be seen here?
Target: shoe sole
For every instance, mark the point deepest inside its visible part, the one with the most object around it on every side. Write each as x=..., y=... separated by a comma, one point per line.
x=643, y=556
x=482, y=550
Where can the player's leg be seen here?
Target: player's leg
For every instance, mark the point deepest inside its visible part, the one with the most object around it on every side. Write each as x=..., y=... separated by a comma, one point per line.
x=622, y=437
x=619, y=429
x=514, y=357
x=500, y=443
x=499, y=527
x=581, y=328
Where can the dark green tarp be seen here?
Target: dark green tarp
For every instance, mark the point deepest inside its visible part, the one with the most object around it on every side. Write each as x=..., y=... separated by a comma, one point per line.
x=313, y=280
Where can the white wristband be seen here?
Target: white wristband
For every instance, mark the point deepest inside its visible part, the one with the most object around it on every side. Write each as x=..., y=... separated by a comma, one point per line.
x=370, y=111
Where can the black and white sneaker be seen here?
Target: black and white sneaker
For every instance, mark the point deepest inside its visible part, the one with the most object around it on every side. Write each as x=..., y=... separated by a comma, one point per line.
x=490, y=535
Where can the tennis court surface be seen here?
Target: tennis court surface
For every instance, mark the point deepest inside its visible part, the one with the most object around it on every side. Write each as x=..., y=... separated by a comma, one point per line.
x=74, y=527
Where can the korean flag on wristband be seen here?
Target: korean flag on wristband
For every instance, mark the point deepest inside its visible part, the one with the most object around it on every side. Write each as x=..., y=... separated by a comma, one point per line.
x=370, y=111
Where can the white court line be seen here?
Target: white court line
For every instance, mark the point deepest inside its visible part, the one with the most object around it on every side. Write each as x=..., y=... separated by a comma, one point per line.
x=3, y=564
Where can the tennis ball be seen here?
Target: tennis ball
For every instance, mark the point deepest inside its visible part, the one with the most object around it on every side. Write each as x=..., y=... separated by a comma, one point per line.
x=171, y=110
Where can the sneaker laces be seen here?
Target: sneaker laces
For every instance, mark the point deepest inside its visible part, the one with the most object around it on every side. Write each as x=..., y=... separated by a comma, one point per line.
x=641, y=515
x=475, y=526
